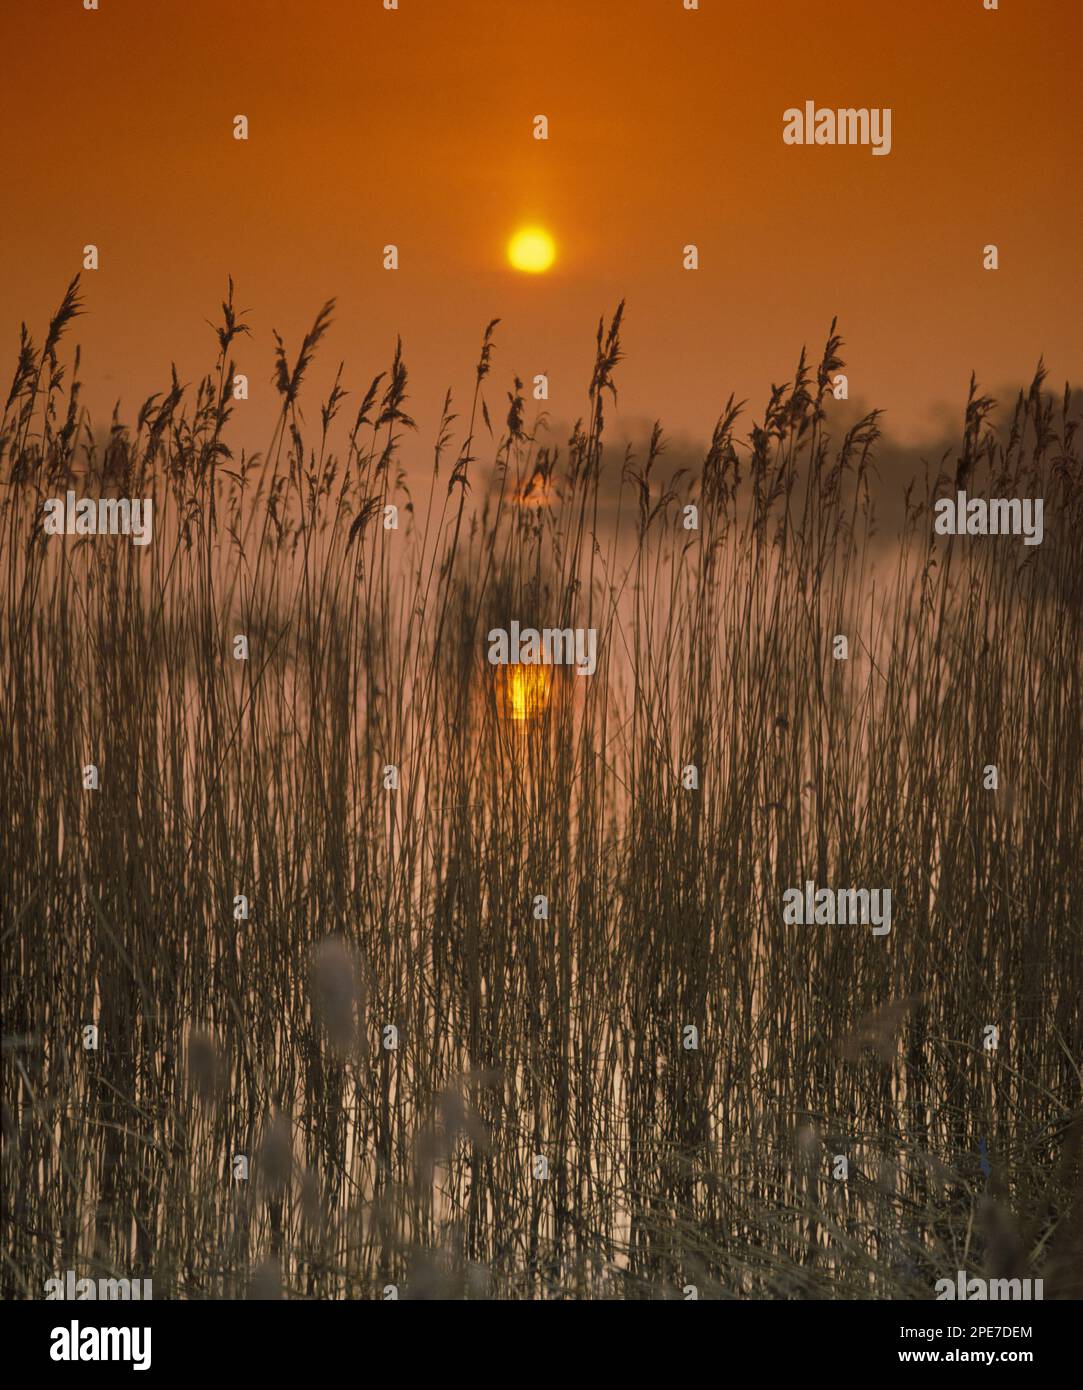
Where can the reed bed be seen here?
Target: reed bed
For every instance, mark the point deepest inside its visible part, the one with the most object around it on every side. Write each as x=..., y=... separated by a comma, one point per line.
x=670, y=1168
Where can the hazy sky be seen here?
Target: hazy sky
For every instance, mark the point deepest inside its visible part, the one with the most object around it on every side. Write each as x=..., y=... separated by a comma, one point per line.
x=415, y=127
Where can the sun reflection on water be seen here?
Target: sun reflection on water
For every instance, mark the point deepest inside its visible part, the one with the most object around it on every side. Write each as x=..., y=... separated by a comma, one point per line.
x=526, y=691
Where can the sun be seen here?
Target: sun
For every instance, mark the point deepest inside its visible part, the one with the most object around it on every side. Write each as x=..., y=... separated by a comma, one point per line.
x=532, y=249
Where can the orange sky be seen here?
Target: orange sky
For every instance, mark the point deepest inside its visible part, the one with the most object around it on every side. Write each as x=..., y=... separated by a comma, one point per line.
x=414, y=127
